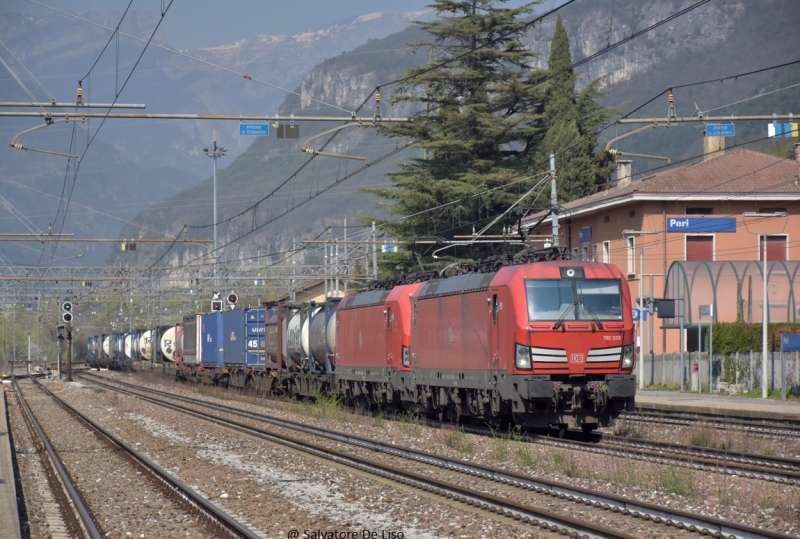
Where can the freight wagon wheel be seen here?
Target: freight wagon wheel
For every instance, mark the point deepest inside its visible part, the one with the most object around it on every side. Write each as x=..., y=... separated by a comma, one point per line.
x=250, y=386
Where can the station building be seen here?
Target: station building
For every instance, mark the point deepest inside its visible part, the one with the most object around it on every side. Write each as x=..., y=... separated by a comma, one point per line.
x=695, y=232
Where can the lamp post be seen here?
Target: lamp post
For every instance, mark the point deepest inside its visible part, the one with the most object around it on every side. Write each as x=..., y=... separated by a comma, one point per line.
x=764, y=278
x=215, y=152
x=625, y=234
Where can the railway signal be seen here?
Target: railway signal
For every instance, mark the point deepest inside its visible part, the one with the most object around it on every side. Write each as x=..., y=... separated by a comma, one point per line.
x=232, y=299
x=216, y=305
x=66, y=312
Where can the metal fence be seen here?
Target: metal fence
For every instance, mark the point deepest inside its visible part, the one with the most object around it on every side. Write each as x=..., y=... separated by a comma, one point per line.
x=742, y=369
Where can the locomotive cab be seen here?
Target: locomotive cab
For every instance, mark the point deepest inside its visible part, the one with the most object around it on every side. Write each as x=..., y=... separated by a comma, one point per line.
x=573, y=355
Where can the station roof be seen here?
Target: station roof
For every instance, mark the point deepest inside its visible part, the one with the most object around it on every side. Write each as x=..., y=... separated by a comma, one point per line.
x=743, y=174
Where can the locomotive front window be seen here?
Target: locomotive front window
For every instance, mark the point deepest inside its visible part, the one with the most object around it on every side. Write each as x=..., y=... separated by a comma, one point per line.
x=573, y=299
x=549, y=299
x=599, y=298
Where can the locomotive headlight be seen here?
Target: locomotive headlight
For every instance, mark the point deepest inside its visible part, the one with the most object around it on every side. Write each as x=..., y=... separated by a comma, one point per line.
x=406, y=362
x=523, y=357
x=627, y=356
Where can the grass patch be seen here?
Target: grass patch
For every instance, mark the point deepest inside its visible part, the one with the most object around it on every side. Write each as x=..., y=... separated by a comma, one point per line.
x=566, y=464
x=378, y=420
x=457, y=439
x=99, y=389
x=526, y=458
x=677, y=480
x=702, y=438
x=409, y=424
x=325, y=407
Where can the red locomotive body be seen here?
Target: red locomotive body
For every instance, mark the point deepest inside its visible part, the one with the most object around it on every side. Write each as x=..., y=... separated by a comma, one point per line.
x=547, y=344
x=372, y=344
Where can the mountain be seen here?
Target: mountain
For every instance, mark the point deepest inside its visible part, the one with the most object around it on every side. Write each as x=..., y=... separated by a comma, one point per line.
x=134, y=163
x=716, y=40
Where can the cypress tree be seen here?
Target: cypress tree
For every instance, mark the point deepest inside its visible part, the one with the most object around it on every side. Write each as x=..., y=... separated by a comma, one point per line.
x=571, y=119
x=478, y=126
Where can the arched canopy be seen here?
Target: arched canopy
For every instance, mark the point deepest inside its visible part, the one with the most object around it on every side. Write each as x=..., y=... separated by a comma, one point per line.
x=735, y=289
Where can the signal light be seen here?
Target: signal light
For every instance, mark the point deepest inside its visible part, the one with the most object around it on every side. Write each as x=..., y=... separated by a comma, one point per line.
x=232, y=298
x=216, y=305
x=66, y=317
x=66, y=306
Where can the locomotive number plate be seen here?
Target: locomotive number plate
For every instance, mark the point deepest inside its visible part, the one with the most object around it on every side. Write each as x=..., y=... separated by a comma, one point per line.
x=576, y=358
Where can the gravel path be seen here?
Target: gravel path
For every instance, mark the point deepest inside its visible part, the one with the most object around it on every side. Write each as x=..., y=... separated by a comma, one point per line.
x=276, y=490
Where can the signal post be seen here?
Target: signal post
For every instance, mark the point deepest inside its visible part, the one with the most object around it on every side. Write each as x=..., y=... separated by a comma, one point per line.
x=66, y=318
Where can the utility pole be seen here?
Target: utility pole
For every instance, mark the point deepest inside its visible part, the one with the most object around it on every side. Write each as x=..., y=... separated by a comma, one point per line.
x=215, y=152
x=554, y=199
x=69, y=352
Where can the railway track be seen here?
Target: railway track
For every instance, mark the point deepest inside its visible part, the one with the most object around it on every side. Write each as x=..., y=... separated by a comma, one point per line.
x=92, y=510
x=765, y=427
x=649, y=519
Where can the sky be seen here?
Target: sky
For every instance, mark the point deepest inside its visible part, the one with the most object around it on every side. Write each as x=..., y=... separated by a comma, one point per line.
x=192, y=24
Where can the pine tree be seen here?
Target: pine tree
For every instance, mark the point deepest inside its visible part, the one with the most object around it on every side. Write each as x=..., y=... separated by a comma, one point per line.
x=479, y=126
x=571, y=119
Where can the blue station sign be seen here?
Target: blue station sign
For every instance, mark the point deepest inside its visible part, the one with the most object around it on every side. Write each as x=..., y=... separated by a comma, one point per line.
x=701, y=224
x=585, y=234
x=261, y=130
x=790, y=342
x=720, y=130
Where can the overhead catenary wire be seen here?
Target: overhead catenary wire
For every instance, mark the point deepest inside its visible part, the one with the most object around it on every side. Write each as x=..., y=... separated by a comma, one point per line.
x=194, y=58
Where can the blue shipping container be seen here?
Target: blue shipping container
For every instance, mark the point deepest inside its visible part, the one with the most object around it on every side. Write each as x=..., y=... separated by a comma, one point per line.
x=233, y=341
x=255, y=337
x=211, y=340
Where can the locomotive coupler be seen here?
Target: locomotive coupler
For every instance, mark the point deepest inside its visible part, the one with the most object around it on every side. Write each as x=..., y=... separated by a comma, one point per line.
x=599, y=394
x=556, y=395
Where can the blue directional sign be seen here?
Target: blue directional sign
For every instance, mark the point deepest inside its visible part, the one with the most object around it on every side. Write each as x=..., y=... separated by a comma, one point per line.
x=639, y=317
x=720, y=130
x=701, y=224
x=254, y=129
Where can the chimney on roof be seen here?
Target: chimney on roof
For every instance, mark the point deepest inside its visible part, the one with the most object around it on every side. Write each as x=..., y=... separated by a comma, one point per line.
x=713, y=147
x=623, y=172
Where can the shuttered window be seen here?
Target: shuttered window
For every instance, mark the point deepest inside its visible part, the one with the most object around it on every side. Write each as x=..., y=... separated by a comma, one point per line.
x=776, y=248
x=699, y=247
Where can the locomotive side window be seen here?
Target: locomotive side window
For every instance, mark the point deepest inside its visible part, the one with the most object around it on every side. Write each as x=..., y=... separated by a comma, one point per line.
x=495, y=308
x=389, y=319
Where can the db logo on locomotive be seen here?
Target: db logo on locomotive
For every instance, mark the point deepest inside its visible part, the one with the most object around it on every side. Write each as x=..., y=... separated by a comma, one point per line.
x=576, y=358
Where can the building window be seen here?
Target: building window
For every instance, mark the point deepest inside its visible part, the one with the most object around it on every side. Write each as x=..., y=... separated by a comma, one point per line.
x=594, y=253
x=607, y=252
x=699, y=247
x=606, y=218
x=776, y=248
x=632, y=213
x=585, y=253
x=772, y=210
x=575, y=253
x=631, y=242
x=699, y=211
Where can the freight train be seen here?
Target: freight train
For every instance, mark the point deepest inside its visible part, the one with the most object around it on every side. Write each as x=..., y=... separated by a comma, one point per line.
x=538, y=340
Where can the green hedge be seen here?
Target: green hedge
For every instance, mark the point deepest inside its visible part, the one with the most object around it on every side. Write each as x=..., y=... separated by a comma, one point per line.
x=733, y=337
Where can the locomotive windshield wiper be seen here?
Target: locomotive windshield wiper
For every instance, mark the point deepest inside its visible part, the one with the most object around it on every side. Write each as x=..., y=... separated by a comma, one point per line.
x=561, y=318
x=585, y=308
